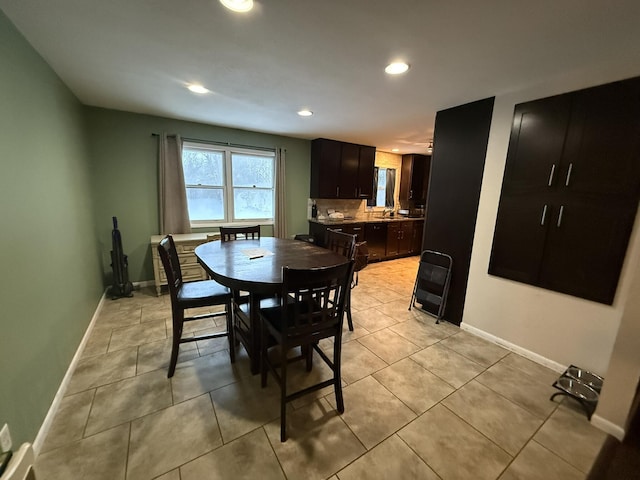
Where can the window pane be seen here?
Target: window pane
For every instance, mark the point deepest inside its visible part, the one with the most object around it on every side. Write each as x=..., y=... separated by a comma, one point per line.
x=382, y=187
x=249, y=203
x=205, y=204
x=203, y=167
x=252, y=170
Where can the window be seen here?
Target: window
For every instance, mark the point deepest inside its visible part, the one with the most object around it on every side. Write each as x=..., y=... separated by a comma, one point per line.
x=384, y=180
x=228, y=185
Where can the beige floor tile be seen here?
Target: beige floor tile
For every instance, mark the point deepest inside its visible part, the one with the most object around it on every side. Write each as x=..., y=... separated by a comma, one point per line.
x=450, y=366
x=203, y=374
x=388, y=345
x=70, y=420
x=452, y=448
x=358, y=331
x=422, y=332
x=373, y=319
x=530, y=368
x=137, y=335
x=385, y=295
x=156, y=312
x=164, y=440
x=569, y=435
x=172, y=475
x=119, y=318
x=372, y=412
x=98, y=342
x=156, y=355
x=414, y=385
x=100, y=370
x=128, y=399
x=357, y=361
x=392, y=459
x=244, y=406
x=529, y=393
x=399, y=310
x=319, y=443
x=507, y=424
x=537, y=463
x=475, y=348
x=99, y=457
x=360, y=300
x=248, y=457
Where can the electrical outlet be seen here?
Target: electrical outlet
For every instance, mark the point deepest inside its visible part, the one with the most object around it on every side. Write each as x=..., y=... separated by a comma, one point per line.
x=5, y=439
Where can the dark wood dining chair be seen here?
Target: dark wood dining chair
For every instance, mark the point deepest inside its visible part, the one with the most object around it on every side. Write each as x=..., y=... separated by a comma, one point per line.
x=344, y=244
x=232, y=233
x=311, y=308
x=203, y=293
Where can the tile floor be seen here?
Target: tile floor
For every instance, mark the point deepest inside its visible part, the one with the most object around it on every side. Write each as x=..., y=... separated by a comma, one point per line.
x=422, y=401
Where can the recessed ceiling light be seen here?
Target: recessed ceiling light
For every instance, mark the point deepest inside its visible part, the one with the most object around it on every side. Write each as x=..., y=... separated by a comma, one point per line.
x=396, y=68
x=238, y=5
x=195, y=88
x=395, y=149
x=305, y=112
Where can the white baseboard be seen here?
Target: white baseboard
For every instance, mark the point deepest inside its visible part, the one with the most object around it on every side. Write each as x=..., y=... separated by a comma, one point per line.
x=607, y=426
x=534, y=357
x=53, y=409
x=145, y=283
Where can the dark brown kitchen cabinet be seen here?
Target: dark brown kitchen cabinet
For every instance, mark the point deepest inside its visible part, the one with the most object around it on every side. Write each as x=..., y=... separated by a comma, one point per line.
x=399, y=238
x=376, y=237
x=416, y=237
x=414, y=180
x=570, y=191
x=341, y=170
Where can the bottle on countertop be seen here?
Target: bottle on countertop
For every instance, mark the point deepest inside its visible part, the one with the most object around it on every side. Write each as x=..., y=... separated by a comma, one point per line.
x=314, y=210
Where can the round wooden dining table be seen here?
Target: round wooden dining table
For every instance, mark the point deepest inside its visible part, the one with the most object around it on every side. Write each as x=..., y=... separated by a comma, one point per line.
x=255, y=266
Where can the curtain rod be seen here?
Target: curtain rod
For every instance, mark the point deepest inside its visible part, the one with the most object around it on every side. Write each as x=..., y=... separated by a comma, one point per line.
x=222, y=144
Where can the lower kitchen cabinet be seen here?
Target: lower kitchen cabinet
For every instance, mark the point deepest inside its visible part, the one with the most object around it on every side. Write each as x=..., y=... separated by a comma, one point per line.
x=416, y=237
x=399, y=238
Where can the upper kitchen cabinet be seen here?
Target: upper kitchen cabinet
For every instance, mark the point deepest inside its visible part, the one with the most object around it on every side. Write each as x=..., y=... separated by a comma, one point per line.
x=570, y=191
x=341, y=170
x=414, y=180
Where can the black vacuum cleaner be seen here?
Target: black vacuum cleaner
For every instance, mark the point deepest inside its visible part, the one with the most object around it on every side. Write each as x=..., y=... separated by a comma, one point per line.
x=121, y=287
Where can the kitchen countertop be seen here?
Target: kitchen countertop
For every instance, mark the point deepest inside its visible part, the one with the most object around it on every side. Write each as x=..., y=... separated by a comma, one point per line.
x=372, y=219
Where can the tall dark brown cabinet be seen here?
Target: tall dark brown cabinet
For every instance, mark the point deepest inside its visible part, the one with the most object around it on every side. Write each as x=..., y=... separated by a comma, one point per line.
x=570, y=191
x=414, y=180
x=457, y=164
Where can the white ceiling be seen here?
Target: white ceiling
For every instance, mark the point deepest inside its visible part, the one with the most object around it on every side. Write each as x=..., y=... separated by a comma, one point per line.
x=327, y=55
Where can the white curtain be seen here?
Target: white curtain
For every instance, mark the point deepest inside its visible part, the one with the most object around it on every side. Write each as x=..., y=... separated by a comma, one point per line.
x=280, y=221
x=174, y=215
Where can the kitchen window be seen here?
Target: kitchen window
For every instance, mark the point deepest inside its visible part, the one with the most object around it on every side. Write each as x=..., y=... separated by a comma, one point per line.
x=228, y=185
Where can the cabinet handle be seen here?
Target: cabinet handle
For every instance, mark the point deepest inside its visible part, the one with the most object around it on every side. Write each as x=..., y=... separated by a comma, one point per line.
x=553, y=171
x=544, y=215
x=337, y=191
x=566, y=184
x=560, y=215
x=410, y=194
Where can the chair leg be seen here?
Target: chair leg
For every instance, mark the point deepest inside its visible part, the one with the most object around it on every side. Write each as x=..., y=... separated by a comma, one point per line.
x=263, y=354
x=178, y=320
x=283, y=394
x=337, y=384
x=230, y=331
x=308, y=352
x=348, y=309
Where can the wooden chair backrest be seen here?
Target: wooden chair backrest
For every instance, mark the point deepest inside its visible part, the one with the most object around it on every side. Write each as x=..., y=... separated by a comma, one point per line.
x=231, y=233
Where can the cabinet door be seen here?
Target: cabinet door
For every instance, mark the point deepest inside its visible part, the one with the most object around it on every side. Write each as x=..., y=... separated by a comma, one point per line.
x=416, y=237
x=393, y=234
x=602, y=152
x=585, y=249
x=405, y=180
x=356, y=229
x=348, y=179
x=325, y=168
x=405, y=232
x=417, y=193
x=365, y=171
x=519, y=237
x=535, y=145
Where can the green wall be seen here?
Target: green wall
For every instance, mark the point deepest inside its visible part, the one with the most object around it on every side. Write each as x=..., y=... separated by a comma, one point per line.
x=50, y=283
x=124, y=164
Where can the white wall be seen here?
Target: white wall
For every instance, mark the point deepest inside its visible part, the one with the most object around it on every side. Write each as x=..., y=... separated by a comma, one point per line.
x=556, y=328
